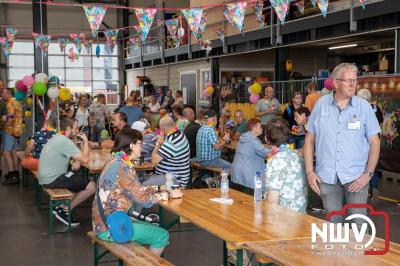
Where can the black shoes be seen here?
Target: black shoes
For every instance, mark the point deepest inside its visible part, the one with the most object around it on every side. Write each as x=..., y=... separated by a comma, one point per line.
x=11, y=178
x=62, y=216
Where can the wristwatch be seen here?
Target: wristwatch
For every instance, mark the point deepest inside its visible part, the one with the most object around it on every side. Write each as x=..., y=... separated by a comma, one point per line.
x=370, y=174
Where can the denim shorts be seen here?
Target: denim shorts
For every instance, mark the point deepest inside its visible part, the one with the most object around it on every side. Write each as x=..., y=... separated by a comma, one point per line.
x=9, y=142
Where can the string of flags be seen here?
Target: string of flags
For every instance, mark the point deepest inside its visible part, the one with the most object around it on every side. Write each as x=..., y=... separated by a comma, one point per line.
x=234, y=13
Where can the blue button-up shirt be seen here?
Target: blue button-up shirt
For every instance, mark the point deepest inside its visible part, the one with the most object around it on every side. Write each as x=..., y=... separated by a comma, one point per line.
x=341, y=138
x=206, y=138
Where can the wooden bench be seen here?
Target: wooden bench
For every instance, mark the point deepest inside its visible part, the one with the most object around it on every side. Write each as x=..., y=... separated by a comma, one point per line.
x=130, y=253
x=197, y=166
x=57, y=196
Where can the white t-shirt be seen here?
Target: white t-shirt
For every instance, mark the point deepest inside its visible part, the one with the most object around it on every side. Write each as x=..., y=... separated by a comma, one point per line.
x=82, y=117
x=154, y=108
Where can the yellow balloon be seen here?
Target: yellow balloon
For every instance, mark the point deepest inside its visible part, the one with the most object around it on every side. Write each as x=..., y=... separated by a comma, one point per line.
x=65, y=94
x=256, y=88
x=29, y=101
x=210, y=90
x=28, y=113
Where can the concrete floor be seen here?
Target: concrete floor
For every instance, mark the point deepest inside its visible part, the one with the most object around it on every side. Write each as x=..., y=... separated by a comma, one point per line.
x=24, y=238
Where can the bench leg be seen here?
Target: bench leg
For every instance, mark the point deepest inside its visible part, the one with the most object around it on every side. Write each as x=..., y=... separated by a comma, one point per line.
x=51, y=207
x=38, y=191
x=120, y=263
x=96, y=254
x=225, y=254
x=68, y=202
x=239, y=257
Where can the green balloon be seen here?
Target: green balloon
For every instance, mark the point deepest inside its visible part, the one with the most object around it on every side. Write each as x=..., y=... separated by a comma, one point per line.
x=54, y=80
x=39, y=88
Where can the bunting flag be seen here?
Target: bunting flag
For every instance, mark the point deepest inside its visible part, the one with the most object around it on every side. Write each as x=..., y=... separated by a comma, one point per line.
x=172, y=27
x=258, y=9
x=95, y=15
x=145, y=17
x=112, y=36
x=62, y=43
x=76, y=39
x=362, y=2
x=314, y=3
x=11, y=32
x=281, y=8
x=42, y=41
x=7, y=46
x=135, y=42
x=88, y=45
x=300, y=6
x=193, y=17
x=234, y=13
x=323, y=6
x=199, y=34
x=220, y=34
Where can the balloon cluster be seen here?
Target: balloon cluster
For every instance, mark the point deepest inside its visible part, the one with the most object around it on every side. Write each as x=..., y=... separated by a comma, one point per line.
x=209, y=90
x=254, y=90
x=328, y=84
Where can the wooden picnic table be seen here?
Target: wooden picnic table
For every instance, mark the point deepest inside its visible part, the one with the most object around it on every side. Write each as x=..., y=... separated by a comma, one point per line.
x=298, y=252
x=241, y=222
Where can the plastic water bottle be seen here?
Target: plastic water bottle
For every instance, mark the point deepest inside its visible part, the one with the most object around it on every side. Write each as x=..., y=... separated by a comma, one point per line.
x=224, y=182
x=169, y=181
x=257, y=187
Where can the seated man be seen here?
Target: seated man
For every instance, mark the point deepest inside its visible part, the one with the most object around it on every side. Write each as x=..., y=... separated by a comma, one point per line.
x=171, y=154
x=241, y=125
x=191, y=131
x=120, y=121
x=53, y=167
x=35, y=146
x=285, y=178
x=207, y=144
x=149, y=139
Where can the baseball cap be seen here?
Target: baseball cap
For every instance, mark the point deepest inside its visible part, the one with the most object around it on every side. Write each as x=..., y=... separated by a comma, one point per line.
x=139, y=126
x=210, y=113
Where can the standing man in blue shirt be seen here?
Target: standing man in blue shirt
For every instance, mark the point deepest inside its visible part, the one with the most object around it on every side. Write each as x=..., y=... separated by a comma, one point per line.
x=133, y=112
x=343, y=133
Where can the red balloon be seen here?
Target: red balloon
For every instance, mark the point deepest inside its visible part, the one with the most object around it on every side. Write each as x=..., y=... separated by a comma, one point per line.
x=328, y=83
x=20, y=86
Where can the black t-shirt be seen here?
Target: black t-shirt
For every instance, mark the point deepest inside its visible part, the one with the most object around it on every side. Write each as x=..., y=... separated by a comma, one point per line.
x=191, y=135
x=288, y=115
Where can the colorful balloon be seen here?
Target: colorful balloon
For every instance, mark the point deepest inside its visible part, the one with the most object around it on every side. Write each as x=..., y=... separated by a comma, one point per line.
x=53, y=93
x=28, y=81
x=19, y=96
x=28, y=113
x=210, y=90
x=39, y=88
x=328, y=83
x=20, y=86
x=42, y=77
x=29, y=101
x=206, y=94
x=64, y=94
x=254, y=98
x=209, y=84
x=54, y=80
x=256, y=88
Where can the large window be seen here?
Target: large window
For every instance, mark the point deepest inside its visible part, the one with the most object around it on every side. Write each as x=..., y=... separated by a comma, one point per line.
x=85, y=74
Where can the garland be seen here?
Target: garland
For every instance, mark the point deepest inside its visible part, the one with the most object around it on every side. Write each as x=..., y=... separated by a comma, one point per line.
x=282, y=147
x=120, y=155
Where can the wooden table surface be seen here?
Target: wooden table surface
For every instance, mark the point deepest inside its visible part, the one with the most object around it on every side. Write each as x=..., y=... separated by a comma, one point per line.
x=298, y=252
x=98, y=158
x=240, y=222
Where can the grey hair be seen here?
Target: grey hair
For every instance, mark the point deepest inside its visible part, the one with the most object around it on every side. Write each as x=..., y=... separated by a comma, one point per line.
x=344, y=66
x=226, y=111
x=365, y=94
x=167, y=122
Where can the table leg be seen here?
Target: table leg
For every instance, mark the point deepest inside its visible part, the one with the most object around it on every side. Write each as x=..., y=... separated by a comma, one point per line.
x=239, y=257
x=161, y=214
x=225, y=254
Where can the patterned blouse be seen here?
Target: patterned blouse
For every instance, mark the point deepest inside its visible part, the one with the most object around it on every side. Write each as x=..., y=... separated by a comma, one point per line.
x=41, y=138
x=120, y=189
x=13, y=126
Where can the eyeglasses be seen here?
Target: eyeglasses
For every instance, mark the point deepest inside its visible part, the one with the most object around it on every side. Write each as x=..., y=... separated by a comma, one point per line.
x=353, y=81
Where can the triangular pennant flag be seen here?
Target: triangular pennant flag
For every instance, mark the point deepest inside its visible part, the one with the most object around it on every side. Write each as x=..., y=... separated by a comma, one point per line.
x=95, y=15
x=314, y=3
x=258, y=9
x=300, y=6
x=88, y=45
x=220, y=34
x=42, y=41
x=234, y=13
x=281, y=8
x=145, y=17
x=172, y=27
x=62, y=43
x=7, y=46
x=11, y=32
x=193, y=17
x=199, y=34
x=323, y=6
x=135, y=42
x=76, y=39
x=111, y=36
x=362, y=2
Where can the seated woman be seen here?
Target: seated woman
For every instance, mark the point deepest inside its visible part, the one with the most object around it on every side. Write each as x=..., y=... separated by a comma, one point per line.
x=250, y=155
x=119, y=190
x=285, y=177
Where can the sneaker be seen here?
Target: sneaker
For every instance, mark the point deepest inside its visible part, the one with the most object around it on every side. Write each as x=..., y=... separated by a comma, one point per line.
x=318, y=209
x=10, y=179
x=62, y=216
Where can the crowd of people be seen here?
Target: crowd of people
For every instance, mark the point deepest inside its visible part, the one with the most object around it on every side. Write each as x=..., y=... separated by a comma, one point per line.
x=331, y=143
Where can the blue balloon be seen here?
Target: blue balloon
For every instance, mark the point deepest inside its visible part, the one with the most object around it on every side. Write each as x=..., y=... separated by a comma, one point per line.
x=19, y=95
x=54, y=80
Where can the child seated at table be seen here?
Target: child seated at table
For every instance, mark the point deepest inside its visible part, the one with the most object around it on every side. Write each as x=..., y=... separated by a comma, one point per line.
x=35, y=146
x=119, y=190
x=285, y=177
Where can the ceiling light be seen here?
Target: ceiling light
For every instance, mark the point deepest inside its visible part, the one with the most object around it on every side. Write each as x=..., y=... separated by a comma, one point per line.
x=343, y=46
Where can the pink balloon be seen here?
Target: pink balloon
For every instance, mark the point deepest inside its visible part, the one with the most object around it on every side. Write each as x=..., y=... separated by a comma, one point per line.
x=205, y=93
x=28, y=81
x=209, y=84
x=328, y=83
x=20, y=86
x=254, y=98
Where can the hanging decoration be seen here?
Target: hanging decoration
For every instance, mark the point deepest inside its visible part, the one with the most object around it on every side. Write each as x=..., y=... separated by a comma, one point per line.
x=112, y=36
x=7, y=46
x=362, y=2
x=181, y=30
x=206, y=45
x=76, y=39
x=193, y=17
x=95, y=15
x=323, y=6
x=300, y=6
x=314, y=3
x=281, y=8
x=145, y=17
x=85, y=42
x=202, y=27
x=172, y=27
x=234, y=13
x=11, y=32
x=88, y=45
x=42, y=41
x=220, y=34
x=62, y=43
x=135, y=42
x=98, y=50
x=258, y=9
x=72, y=56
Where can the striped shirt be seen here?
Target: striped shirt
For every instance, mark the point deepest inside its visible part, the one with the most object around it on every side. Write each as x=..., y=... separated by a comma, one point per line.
x=176, y=154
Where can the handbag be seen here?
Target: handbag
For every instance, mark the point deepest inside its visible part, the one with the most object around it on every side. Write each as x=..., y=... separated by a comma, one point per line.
x=118, y=223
